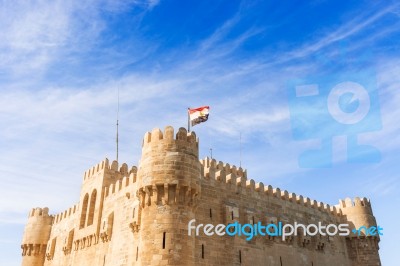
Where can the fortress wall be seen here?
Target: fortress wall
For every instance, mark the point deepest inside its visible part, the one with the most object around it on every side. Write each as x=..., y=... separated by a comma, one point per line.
x=246, y=208
x=117, y=196
x=90, y=245
x=231, y=197
x=121, y=207
x=60, y=243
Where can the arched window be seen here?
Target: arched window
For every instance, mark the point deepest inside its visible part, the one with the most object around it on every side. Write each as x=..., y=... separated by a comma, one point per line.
x=84, y=211
x=92, y=207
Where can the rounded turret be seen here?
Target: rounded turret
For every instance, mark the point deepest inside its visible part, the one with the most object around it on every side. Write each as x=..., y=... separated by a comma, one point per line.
x=358, y=213
x=166, y=159
x=35, y=238
x=168, y=188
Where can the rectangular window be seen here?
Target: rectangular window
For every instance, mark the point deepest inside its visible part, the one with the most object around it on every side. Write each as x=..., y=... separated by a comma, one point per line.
x=202, y=251
x=240, y=256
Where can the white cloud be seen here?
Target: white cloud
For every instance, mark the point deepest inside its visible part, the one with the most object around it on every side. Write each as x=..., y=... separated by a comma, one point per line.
x=37, y=33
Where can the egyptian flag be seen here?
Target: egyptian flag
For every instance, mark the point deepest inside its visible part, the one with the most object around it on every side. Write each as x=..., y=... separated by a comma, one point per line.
x=198, y=115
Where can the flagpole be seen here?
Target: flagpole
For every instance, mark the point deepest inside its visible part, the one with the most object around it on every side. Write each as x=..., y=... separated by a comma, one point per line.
x=240, y=143
x=117, y=121
x=188, y=120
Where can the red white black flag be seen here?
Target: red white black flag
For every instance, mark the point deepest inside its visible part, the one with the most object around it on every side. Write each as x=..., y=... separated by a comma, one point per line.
x=198, y=115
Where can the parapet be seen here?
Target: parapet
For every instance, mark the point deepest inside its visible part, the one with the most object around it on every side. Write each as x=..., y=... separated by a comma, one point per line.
x=348, y=203
x=36, y=212
x=232, y=177
x=105, y=166
x=66, y=214
x=96, y=169
x=222, y=170
x=183, y=139
x=119, y=185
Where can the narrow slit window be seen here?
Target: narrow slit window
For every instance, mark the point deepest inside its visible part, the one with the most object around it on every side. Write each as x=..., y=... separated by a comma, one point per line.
x=163, y=241
x=202, y=251
x=137, y=252
x=133, y=214
x=210, y=213
x=232, y=215
x=280, y=258
x=240, y=256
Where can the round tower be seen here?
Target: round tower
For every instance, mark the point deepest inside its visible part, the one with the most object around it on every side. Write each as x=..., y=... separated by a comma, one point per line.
x=168, y=188
x=36, y=234
x=362, y=243
x=358, y=213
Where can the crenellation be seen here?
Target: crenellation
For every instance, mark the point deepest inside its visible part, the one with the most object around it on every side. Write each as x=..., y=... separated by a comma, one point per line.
x=220, y=176
x=293, y=198
x=314, y=204
x=240, y=181
x=114, y=166
x=357, y=202
x=307, y=202
x=259, y=187
x=123, y=169
x=99, y=167
x=35, y=212
x=276, y=192
x=269, y=190
x=285, y=195
x=250, y=184
x=300, y=199
x=326, y=207
x=182, y=136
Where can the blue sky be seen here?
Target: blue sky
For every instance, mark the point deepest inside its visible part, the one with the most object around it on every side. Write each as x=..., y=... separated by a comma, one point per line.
x=61, y=63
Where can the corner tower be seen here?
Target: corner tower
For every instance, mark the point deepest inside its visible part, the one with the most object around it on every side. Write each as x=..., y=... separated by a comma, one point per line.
x=36, y=235
x=362, y=247
x=168, y=189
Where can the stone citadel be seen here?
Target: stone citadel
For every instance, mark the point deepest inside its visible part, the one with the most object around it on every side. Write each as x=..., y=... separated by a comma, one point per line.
x=140, y=216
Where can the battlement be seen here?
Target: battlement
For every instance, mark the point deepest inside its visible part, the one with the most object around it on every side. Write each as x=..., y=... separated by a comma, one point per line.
x=104, y=166
x=119, y=185
x=36, y=212
x=65, y=214
x=220, y=169
x=236, y=178
x=182, y=137
x=96, y=169
x=348, y=203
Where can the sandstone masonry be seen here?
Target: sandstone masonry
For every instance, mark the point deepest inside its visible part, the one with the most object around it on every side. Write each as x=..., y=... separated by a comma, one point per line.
x=139, y=216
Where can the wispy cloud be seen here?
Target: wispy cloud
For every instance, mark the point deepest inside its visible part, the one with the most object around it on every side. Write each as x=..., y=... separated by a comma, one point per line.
x=354, y=26
x=35, y=34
